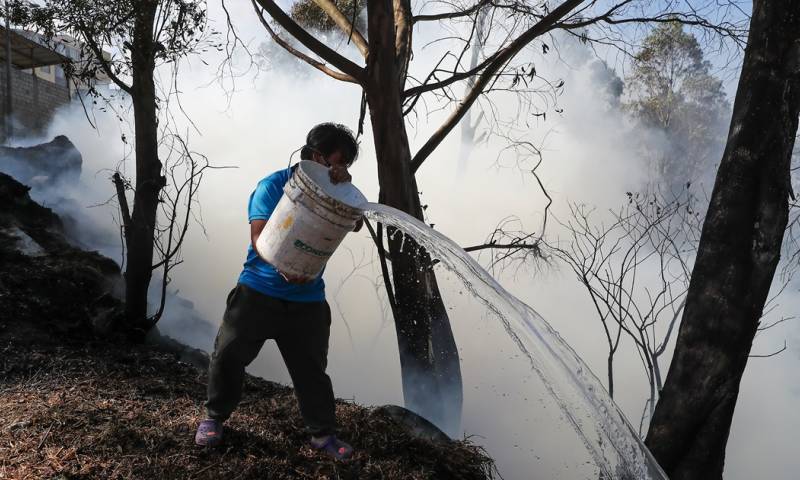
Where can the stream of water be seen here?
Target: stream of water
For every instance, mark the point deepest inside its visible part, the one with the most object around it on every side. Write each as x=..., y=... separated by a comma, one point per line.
x=611, y=441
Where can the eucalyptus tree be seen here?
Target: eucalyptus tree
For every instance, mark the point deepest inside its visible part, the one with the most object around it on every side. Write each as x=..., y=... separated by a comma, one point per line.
x=671, y=88
x=738, y=253
x=126, y=41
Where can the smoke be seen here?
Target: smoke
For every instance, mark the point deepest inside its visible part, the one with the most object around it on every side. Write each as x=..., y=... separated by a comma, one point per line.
x=88, y=205
x=78, y=201
x=592, y=153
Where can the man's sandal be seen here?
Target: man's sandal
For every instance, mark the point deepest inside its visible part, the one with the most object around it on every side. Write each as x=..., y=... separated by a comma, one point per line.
x=333, y=447
x=209, y=433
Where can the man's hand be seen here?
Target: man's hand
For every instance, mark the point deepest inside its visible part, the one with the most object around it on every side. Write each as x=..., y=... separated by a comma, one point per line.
x=339, y=174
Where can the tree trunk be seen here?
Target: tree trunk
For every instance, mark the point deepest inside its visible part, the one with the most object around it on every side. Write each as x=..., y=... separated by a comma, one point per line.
x=431, y=373
x=468, y=127
x=738, y=253
x=149, y=180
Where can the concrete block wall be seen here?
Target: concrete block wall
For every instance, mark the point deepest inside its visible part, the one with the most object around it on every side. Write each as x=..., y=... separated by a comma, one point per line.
x=34, y=102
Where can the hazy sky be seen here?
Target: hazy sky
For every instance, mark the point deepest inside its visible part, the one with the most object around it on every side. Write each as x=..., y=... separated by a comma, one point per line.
x=590, y=156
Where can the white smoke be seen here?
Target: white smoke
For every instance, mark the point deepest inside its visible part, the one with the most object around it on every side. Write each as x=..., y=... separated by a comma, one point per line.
x=590, y=155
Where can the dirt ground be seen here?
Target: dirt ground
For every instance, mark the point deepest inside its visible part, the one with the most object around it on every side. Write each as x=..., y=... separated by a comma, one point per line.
x=94, y=410
x=74, y=404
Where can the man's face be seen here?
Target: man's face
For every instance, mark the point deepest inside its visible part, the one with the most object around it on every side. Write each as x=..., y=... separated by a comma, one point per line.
x=335, y=159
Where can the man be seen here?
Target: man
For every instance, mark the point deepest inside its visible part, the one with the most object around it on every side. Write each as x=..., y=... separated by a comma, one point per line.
x=266, y=304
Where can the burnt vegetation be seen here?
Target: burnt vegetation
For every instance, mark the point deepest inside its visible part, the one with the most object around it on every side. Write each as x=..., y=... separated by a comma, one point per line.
x=77, y=400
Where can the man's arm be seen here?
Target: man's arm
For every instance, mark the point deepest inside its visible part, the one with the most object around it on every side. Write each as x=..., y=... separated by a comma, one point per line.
x=256, y=226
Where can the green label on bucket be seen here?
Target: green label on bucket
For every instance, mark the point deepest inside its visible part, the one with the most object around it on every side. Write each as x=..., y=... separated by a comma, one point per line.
x=309, y=249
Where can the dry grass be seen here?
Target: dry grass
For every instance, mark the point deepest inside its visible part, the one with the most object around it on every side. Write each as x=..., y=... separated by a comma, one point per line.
x=75, y=406
x=124, y=412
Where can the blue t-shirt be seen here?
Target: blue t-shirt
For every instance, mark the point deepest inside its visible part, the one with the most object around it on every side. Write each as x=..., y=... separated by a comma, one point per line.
x=258, y=274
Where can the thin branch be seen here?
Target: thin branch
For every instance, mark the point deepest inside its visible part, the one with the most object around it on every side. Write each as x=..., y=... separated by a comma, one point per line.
x=420, y=92
x=737, y=34
x=518, y=246
x=451, y=15
x=499, y=59
x=104, y=64
x=770, y=354
x=776, y=322
x=456, y=77
x=673, y=321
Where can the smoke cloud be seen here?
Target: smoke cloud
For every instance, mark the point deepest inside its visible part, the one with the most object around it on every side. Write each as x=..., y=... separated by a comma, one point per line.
x=592, y=154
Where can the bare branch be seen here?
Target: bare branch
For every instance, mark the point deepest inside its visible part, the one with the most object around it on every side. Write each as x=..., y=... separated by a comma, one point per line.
x=520, y=246
x=775, y=323
x=502, y=57
x=232, y=43
x=451, y=15
x=456, y=77
x=675, y=317
x=309, y=41
x=737, y=34
x=104, y=64
x=344, y=25
x=322, y=67
x=511, y=244
x=770, y=354
x=119, y=184
x=653, y=238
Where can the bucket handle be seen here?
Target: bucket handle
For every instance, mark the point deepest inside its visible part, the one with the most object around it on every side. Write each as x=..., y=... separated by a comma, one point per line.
x=292, y=156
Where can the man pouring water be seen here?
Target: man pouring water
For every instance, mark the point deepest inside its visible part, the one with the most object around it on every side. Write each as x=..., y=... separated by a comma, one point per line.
x=269, y=304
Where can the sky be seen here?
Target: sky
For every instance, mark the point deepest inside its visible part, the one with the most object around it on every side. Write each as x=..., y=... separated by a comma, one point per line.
x=590, y=155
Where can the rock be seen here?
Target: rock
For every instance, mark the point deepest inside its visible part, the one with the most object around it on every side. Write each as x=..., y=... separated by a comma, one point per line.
x=185, y=354
x=24, y=243
x=69, y=287
x=195, y=357
x=44, y=164
x=18, y=210
x=105, y=314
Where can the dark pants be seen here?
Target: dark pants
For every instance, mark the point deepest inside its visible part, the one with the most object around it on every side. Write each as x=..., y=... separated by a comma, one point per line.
x=301, y=331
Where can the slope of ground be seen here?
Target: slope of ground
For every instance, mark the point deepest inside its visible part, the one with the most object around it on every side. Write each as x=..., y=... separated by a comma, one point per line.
x=77, y=405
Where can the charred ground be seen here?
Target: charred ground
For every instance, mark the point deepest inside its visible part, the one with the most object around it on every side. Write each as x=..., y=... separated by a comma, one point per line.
x=75, y=404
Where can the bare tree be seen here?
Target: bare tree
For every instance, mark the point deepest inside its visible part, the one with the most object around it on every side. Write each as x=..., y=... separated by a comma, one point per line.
x=179, y=207
x=139, y=35
x=177, y=200
x=636, y=271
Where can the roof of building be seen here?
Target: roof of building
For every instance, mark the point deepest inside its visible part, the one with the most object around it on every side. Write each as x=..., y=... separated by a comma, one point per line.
x=26, y=53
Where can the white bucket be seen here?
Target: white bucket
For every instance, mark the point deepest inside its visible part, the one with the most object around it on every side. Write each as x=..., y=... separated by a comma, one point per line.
x=310, y=221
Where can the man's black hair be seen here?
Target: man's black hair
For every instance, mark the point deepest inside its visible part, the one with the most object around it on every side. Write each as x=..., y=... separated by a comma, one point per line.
x=326, y=138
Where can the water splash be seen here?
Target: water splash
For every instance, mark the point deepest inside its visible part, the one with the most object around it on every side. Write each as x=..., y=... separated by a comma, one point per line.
x=611, y=441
